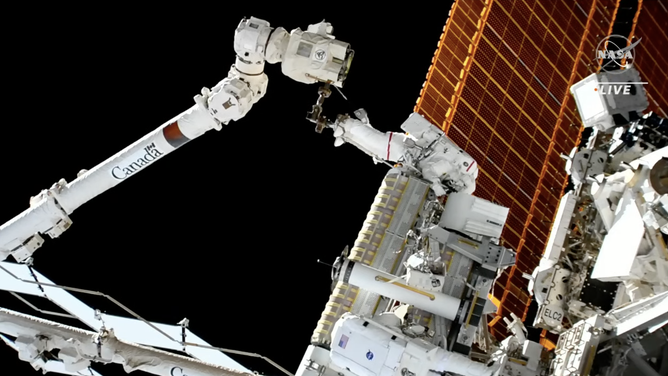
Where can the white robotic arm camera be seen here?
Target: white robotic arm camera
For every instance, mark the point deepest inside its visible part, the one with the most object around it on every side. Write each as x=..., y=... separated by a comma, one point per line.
x=315, y=56
x=306, y=56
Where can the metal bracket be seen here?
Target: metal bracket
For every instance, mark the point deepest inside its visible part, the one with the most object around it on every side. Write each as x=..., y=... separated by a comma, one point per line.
x=315, y=115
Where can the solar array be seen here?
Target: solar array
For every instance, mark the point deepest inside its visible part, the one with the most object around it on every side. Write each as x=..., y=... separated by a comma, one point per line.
x=498, y=86
x=651, y=59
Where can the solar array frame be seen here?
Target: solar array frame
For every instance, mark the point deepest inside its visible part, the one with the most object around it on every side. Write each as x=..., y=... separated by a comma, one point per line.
x=498, y=86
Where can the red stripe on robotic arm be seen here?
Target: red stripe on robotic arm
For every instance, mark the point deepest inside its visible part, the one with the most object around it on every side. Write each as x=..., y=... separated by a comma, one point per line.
x=389, y=144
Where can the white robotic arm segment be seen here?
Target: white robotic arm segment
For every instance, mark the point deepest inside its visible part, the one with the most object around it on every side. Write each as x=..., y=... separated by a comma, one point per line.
x=250, y=43
x=49, y=210
x=20, y=236
x=234, y=96
x=246, y=82
x=231, y=99
x=277, y=46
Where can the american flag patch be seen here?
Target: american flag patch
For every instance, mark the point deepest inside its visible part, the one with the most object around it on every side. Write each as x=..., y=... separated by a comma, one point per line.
x=343, y=341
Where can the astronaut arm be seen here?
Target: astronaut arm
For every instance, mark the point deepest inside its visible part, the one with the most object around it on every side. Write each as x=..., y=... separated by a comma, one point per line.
x=389, y=146
x=431, y=152
x=468, y=182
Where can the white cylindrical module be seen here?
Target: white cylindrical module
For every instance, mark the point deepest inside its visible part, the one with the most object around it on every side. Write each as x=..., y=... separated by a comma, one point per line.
x=376, y=350
x=388, y=285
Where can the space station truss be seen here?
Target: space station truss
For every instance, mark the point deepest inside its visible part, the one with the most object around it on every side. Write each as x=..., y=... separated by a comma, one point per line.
x=499, y=85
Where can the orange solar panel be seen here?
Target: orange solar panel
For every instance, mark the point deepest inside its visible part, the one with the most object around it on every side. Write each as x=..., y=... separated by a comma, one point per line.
x=651, y=60
x=498, y=86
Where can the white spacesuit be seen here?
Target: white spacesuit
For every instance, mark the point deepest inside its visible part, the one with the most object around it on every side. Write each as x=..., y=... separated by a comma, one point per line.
x=439, y=160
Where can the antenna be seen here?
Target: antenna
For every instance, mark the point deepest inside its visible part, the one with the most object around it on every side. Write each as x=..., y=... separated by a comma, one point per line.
x=340, y=92
x=324, y=263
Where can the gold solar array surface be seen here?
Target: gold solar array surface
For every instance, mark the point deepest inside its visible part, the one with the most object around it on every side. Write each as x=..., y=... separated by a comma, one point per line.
x=498, y=86
x=651, y=59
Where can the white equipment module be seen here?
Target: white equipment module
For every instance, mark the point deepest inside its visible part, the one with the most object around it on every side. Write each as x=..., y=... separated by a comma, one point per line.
x=602, y=283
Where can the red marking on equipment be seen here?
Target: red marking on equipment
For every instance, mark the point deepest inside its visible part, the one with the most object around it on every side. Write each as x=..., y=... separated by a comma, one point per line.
x=388, y=146
x=173, y=135
x=172, y=132
x=467, y=170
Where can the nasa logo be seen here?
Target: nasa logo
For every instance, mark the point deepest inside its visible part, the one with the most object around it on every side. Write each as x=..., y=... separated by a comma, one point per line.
x=619, y=57
x=369, y=355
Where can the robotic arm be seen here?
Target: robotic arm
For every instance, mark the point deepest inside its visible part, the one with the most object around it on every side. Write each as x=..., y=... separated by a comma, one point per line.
x=307, y=56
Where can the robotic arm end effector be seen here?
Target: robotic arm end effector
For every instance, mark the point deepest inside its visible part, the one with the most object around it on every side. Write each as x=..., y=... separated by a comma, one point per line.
x=307, y=56
x=315, y=55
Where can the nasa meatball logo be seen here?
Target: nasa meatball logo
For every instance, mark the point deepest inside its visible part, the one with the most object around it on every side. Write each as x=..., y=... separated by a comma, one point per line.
x=369, y=355
x=618, y=57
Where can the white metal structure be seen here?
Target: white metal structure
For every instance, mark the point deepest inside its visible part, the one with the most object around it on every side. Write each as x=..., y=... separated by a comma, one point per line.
x=20, y=279
x=412, y=295
x=411, y=298
x=603, y=280
x=36, y=339
x=431, y=163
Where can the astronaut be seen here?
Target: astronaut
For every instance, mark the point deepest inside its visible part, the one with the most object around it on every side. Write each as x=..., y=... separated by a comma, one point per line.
x=426, y=148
